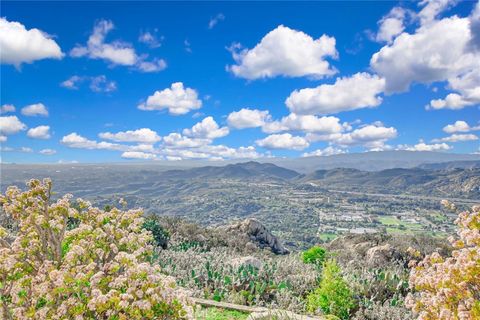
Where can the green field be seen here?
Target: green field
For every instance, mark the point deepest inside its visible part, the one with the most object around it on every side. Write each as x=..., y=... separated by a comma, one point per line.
x=395, y=225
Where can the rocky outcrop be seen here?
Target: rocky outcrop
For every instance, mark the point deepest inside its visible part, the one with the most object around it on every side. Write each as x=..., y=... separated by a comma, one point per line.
x=258, y=235
x=380, y=255
x=381, y=250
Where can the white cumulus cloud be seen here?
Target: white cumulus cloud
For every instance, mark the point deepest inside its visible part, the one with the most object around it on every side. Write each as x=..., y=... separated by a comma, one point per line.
x=435, y=52
x=48, y=152
x=459, y=126
x=37, y=109
x=372, y=136
x=285, y=52
x=422, y=146
x=143, y=135
x=248, y=118
x=207, y=129
x=40, y=132
x=283, y=141
x=348, y=93
x=457, y=138
x=11, y=125
x=176, y=140
x=391, y=25
x=306, y=123
x=138, y=155
x=177, y=99
x=74, y=140
x=6, y=108
x=20, y=45
x=328, y=151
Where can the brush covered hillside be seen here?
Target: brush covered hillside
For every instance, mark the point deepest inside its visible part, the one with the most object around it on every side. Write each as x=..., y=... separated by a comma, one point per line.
x=165, y=267
x=300, y=208
x=440, y=180
x=249, y=170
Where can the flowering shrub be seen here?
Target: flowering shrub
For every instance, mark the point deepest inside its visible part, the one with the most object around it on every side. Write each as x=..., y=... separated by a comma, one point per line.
x=449, y=288
x=97, y=269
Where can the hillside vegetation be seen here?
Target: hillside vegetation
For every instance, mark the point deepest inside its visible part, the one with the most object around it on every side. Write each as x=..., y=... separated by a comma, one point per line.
x=67, y=259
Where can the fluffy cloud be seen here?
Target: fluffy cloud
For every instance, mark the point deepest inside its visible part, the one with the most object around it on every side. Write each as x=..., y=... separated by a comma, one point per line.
x=37, y=109
x=372, y=136
x=307, y=123
x=422, y=146
x=457, y=138
x=74, y=140
x=215, y=20
x=20, y=45
x=437, y=51
x=116, y=52
x=391, y=25
x=40, y=132
x=468, y=87
x=48, y=152
x=211, y=152
x=285, y=52
x=283, y=141
x=432, y=8
x=177, y=99
x=138, y=155
x=11, y=125
x=348, y=93
x=207, y=129
x=176, y=140
x=248, y=118
x=144, y=135
x=459, y=126
x=328, y=151
x=6, y=108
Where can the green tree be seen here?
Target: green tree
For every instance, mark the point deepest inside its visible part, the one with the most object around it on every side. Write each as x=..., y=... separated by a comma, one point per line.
x=333, y=296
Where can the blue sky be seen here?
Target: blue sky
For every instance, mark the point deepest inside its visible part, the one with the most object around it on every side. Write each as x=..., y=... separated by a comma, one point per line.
x=169, y=81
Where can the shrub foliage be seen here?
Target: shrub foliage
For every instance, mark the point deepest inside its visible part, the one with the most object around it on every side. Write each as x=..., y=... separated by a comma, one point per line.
x=315, y=254
x=449, y=288
x=333, y=296
x=98, y=268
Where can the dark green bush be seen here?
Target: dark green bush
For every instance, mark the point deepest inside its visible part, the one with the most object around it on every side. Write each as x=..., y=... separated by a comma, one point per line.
x=315, y=255
x=160, y=235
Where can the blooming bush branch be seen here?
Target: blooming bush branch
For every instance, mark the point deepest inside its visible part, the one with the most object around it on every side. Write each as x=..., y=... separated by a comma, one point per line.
x=99, y=269
x=449, y=288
